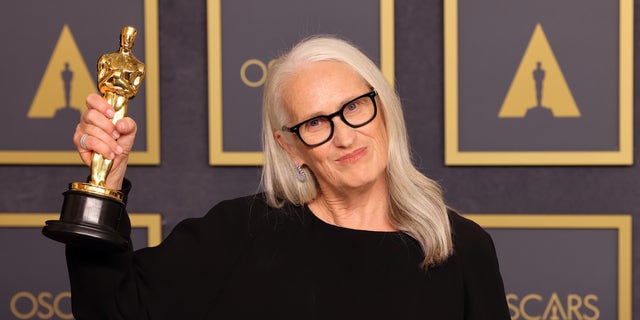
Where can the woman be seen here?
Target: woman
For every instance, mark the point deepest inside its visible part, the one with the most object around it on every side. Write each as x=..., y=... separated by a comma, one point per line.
x=346, y=226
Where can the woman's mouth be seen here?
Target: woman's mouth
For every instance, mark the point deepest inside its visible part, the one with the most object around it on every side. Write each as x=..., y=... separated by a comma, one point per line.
x=353, y=156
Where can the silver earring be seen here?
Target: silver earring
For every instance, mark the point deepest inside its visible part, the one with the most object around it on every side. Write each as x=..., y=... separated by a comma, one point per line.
x=300, y=174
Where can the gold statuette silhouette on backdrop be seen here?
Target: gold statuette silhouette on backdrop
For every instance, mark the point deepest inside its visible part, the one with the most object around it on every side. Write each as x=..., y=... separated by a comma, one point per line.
x=91, y=213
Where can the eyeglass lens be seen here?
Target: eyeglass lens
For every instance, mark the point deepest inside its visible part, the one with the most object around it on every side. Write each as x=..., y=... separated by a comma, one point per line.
x=354, y=113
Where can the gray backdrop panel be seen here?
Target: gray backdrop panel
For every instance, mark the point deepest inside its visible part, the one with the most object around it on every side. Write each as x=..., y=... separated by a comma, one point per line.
x=184, y=185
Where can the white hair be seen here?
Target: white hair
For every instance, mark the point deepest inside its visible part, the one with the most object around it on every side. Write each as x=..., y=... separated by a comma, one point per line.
x=417, y=205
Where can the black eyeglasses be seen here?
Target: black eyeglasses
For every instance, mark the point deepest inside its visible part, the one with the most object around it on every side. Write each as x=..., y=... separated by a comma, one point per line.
x=355, y=113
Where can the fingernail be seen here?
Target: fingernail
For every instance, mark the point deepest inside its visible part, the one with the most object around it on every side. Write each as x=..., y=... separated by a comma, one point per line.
x=119, y=149
x=112, y=155
x=115, y=134
x=110, y=113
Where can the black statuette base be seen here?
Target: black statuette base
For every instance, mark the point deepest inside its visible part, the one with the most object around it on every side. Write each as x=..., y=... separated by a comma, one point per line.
x=89, y=220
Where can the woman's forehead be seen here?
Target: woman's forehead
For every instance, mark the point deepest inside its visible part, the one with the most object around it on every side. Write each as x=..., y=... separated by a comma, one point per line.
x=321, y=87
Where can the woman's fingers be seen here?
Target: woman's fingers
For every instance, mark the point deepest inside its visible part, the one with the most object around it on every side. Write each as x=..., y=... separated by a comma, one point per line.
x=127, y=129
x=96, y=102
x=99, y=132
x=96, y=133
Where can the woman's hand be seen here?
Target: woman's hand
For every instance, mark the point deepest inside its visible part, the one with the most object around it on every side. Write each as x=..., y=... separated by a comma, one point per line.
x=111, y=141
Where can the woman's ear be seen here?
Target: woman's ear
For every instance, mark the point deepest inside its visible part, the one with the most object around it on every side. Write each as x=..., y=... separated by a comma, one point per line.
x=291, y=151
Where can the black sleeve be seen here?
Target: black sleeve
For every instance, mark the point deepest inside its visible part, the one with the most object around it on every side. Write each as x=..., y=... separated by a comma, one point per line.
x=484, y=293
x=175, y=280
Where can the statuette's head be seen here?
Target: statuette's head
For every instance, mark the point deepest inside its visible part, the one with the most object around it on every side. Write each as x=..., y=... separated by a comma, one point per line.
x=127, y=37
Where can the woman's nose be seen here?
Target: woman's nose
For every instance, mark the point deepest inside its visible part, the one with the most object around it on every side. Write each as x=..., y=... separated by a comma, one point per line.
x=343, y=135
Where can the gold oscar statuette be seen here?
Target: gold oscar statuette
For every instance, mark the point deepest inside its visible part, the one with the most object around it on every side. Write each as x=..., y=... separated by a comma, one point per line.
x=91, y=213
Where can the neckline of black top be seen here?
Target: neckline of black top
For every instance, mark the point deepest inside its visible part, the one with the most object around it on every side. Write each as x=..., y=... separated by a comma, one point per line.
x=336, y=228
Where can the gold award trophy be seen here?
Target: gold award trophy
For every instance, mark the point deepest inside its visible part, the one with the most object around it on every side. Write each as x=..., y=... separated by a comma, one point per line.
x=91, y=213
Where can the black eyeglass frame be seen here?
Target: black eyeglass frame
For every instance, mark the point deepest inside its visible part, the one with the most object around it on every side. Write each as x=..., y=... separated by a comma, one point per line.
x=296, y=128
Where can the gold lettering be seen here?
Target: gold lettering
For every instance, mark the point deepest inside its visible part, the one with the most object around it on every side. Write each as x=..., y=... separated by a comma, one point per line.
x=531, y=296
x=56, y=305
x=554, y=301
x=513, y=309
x=45, y=304
x=243, y=73
x=34, y=303
x=574, y=302
x=263, y=69
x=592, y=307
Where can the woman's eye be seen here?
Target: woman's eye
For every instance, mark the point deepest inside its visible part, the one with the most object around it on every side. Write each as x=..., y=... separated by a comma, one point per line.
x=314, y=124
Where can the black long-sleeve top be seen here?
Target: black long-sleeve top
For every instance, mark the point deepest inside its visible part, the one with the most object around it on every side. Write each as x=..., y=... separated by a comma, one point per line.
x=246, y=260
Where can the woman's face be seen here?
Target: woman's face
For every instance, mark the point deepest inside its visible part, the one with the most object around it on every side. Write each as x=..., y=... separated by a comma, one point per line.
x=354, y=157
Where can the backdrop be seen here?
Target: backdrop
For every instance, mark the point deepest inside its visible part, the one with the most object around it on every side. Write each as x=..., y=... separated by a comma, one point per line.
x=184, y=184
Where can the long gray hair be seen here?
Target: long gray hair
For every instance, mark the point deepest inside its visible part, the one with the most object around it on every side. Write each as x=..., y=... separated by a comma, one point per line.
x=417, y=206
